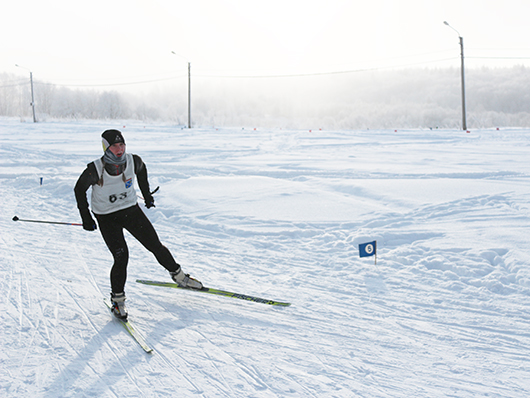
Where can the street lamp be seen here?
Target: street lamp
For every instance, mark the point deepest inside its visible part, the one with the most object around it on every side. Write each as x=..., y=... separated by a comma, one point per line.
x=189, y=90
x=32, y=96
x=464, y=125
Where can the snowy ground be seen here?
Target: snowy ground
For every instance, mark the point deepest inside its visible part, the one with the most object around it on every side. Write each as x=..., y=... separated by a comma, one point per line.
x=279, y=214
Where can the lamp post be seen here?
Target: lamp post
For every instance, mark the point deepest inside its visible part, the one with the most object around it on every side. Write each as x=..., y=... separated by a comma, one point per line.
x=189, y=89
x=32, y=96
x=464, y=124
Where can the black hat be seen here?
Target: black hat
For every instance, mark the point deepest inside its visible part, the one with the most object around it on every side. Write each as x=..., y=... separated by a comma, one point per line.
x=110, y=137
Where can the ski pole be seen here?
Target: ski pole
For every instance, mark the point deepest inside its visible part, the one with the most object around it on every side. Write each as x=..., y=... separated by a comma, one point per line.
x=46, y=222
x=153, y=192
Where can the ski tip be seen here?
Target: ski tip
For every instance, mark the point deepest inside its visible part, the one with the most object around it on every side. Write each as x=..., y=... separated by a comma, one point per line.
x=15, y=218
x=279, y=304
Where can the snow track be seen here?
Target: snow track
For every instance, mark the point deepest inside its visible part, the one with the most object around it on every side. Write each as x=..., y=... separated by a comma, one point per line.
x=445, y=312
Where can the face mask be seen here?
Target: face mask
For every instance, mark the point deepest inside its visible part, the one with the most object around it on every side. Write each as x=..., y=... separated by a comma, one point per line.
x=109, y=157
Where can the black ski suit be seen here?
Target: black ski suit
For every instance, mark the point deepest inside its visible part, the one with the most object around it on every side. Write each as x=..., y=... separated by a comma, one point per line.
x=132, y=219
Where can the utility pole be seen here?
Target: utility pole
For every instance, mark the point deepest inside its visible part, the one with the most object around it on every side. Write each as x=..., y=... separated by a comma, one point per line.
x=189, y=89
x=32, y=94
x=189, y=95
x=464, y=124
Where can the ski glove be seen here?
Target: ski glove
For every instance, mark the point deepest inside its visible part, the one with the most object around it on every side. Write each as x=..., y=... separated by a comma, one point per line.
x=149, y=202
x=88, y=222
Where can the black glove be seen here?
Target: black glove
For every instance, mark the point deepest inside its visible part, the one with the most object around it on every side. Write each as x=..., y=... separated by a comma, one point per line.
x=149, y=201
x=88, y=222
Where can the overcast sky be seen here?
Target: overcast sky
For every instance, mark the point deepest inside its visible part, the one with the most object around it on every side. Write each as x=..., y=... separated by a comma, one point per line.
x=113, y=41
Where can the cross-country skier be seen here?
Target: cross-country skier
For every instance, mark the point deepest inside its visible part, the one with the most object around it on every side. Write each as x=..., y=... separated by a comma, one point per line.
x=115, y=205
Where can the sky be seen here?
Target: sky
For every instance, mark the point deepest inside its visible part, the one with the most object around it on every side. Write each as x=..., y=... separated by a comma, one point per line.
x=121, y=41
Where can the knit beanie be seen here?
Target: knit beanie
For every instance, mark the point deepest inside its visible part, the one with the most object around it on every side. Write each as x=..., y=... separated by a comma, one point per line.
x=110, y=137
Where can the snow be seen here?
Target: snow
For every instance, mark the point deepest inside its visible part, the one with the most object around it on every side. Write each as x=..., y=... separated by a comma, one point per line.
x=278, y=214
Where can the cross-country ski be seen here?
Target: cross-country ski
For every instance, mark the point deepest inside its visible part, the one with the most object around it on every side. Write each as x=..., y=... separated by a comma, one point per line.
x=131, y=329
x=217, y=292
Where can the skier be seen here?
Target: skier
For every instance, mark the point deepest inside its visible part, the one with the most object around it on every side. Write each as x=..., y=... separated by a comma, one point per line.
x=114, y=203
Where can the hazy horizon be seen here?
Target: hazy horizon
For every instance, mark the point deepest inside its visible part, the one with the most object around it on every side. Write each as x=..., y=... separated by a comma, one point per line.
x=404, y=98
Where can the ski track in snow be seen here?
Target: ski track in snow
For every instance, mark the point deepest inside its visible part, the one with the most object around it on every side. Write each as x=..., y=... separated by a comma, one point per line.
x=443, y=313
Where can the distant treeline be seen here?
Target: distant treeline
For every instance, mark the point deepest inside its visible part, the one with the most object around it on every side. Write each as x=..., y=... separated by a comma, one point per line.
x=409, y=98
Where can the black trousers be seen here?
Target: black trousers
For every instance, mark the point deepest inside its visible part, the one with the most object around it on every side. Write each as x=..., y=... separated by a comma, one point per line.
x=136, y=222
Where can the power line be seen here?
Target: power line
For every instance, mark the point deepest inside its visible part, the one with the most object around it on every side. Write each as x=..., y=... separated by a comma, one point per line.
x=324, y=73
x=110, y=84
x=499, y=57
x=269, y=76
x=272, y=76
x=15, y=83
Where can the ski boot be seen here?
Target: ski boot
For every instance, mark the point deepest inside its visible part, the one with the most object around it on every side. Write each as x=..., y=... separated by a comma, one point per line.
x=118, y=305
x=185, y=280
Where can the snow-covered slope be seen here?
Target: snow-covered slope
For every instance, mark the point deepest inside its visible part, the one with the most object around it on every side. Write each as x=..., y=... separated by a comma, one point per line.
x=279, y=214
